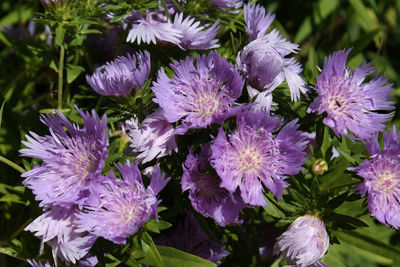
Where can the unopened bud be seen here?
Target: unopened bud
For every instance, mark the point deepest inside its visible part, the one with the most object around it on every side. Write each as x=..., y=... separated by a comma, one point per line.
x=319, y=167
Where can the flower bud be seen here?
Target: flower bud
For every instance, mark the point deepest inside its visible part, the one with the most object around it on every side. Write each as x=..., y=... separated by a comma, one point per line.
x=305, y=241
x=319, y=167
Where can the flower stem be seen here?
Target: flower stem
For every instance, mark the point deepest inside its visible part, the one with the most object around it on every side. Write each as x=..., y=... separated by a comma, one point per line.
x=60, y=77
x=12, y=164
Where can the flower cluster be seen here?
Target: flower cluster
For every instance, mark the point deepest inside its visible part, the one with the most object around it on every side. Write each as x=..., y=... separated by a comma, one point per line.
x=229, y=153
x=80, y=204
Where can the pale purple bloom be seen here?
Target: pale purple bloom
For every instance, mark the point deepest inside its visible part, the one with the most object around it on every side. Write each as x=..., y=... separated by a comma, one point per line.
x=351, y=106
x=121, y=206
x=207, y=197
x=87, y=261
x=227, y=4
x=304, y=242
x=264, y=64
x=35, y=263
x=57, y=228
x=257, y=22
x=155, y=138
x=155, y=26
x=198, y=95
x=253, y=156
x=121, y=76
x=381, y=175
x=72, y=159
x=189, y=237
x=185, y=33
x=194, y=35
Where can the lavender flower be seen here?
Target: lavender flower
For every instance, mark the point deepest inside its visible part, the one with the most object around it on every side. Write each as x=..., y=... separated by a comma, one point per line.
x=119, y=77
x=189, y=237
x=121, y=206
x=304, y=242
x=155, y=138
x=253, y=156
x=71, y=161
x=199, y=95
x=195, y=36
x=265, y=65
x=351, y=105
x=185, y=33
x=35, y=263
x=155, y=26
x=257, y=22
x=57, y=227
x=207, y=197
x=381, y=175
x=227, y=4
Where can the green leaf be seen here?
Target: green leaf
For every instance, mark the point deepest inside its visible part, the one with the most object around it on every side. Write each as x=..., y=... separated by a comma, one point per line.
x=150, y=250
x=273, y=210
x=326, y=142
x=337, y=201
x=60, y=33
x=19, y=14
x=73, y=72
x=90, y=31
x=326, y=7
x=155, y=226
x=304, y=31
x=370, y=244
x=173, y=257
x=315, y=191
x=5, y=40
x=11, y=198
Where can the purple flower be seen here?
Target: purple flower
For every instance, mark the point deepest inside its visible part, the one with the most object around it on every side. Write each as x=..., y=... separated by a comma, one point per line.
x=194, y=35
x=57, y=227
x=155, y=138
x=304, y=242
x=185, y=33
x=253, y=156
x=351, y=105
x=35, y=263
x=227, y=4
x=257, y=22
x=155, y=26
x=119, y=77
x=199, y=95
x=207, y=197
x=72, y=160
x=381, y=175
x=189, y=237
x=121, y=206
x=265, y=66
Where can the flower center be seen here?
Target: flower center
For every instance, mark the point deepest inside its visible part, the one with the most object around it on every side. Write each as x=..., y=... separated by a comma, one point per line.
x=206, y=105
x=387, y=182
x=250, y=159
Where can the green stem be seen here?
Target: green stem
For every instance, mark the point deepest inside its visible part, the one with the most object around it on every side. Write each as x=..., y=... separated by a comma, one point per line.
x=60, y=77
x=21, y=228
x=12, y=164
